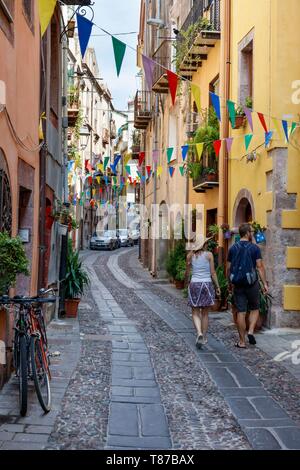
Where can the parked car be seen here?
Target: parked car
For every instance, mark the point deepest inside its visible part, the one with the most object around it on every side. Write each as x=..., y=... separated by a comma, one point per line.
x=125, y=238
x=106, y=239
x=135, y=235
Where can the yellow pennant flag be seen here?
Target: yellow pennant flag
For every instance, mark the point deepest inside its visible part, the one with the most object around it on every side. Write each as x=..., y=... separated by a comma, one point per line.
x=98, y=179
x=159, y=170
x=278, y=128
x=46, y=10
x=93, y=192
x=127, y=158
x=199, y=148
x=100, y=167
x=197, y=95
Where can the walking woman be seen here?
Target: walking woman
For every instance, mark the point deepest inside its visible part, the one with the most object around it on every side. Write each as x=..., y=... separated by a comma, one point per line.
x=201, y=292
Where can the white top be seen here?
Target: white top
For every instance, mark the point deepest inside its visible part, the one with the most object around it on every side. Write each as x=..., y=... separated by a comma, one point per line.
x=201, y=268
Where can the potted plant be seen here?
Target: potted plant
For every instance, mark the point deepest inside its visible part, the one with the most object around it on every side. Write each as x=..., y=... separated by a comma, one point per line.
x=180, y=273
x=210, y=174
x=226, y=231
x=174, y=259
x=258, y=232
x=239, y=117
x=75, y=282
x=223, y=283
x=13, y=261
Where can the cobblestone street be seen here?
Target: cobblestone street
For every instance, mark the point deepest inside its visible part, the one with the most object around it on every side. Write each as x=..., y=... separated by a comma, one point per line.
x=129, y=376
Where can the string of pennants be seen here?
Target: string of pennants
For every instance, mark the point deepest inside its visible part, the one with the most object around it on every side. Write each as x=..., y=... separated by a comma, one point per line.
x=85, y=26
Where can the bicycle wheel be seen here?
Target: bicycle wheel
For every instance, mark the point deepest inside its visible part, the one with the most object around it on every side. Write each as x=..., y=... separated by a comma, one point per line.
x=40, y=374
x=22, y=367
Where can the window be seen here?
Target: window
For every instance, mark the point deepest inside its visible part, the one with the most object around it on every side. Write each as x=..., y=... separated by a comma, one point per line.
x=246, y=68
x=214, y=87
x=7, y=12
x=28, y=11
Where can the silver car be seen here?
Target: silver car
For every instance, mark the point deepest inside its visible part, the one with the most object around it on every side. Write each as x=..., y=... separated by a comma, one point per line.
x=125, y=238
x=106, y=240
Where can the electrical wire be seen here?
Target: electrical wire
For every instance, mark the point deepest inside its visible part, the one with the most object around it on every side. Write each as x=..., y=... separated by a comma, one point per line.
x=16, y=137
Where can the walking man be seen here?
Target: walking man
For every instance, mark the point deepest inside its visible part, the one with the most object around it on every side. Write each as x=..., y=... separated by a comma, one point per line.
x=244, y=260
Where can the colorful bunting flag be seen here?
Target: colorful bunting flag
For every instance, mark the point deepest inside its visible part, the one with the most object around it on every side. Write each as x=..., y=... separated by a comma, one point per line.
x=85, y=27
x=286, y=129
x=148, y=168
x=217, y=146
x=106, y=160
x=171, y=171
x=263, y=122
x=100, y=167
x=184, y=150
x=293, y=128
x=173, y=82
x=278, y=127
x=98, y=179
x=232, y=113
x=141, y=158
x=127, y=158
x=119, y=51
x=159, y=170
x=170, y=151
x=128, y=169
x=268, y=137
x=182, y=170
x=248, y=139
x=197, y=95
x=199, y=148
x=248, y=113
x=229, y=142
x=148, y=66
x=46, y=10
x=90, y=180
x=215, y=99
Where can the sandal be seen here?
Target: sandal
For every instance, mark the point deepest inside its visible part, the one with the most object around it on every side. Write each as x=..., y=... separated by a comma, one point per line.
x=237, y=345
x=251, y=339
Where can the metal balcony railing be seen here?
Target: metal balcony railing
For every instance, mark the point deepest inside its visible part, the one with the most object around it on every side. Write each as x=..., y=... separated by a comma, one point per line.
x=215, y=15
x=195, y=13
x=162, y=56
x=142, y=109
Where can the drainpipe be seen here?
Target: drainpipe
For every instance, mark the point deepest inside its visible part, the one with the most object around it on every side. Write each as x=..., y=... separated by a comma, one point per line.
x=155, y=186
x=225, y=92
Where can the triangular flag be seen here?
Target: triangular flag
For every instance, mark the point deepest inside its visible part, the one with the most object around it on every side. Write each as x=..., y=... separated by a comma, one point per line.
x=278, y=127
x=148, y=168
x=229, y=142
x=171, y=171
x=143, y=179
x=197, y=95
x=294, y=125
x=182, y=169
x=155, y=156
x=232, y=113
x=138, y=173
x=100, y=167
x=106, y=160
x=159, y=170
x=90, y=179
x=141, y=158
x=128, y=169
x=170, y=151
x=173, y=82
x=119, y=51
x=217, y=146
x=286, y=129
x=199, y=148
x=98, y=179
x=148, y=66
x=263, y=122
x=184, y=150
x=106, y=180
x=268, y=137
x=215, y=99
x=248, y=139
x=116, y=160
x=127, y=158
x=85, y=27
x=248, y=113
x=46, y=10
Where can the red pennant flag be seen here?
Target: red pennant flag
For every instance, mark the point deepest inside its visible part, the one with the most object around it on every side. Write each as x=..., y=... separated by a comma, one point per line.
x=90, y=180
x=134, y=182
x=173, y=81
x=148, y=168
x=141, y=158
x=217, y=146
x=100, y=190
x=263, y=122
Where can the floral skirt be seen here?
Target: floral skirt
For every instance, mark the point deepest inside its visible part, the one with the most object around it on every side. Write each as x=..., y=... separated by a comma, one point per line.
x=201, y=294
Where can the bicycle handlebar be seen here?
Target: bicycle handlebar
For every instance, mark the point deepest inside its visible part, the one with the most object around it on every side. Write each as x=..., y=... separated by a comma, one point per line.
x=5, y=300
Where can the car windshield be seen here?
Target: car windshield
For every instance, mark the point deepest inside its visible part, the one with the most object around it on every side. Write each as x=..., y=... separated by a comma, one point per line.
x=110, y=233
x=123, y=233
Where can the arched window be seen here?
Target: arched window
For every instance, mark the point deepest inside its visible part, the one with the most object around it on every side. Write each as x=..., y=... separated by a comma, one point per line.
x=5, y=197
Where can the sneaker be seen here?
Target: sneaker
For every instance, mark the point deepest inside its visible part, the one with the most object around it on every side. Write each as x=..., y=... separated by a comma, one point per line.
x=205, y=341
x=199, y=341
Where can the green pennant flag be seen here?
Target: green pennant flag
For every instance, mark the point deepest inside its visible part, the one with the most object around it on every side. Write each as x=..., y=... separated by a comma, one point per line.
x=119, y=51
x=248, y=139
x=231, y=110
x=294, y=125
x=170, y=151
x=181, y=169
x=106, y=160
x=128, y=169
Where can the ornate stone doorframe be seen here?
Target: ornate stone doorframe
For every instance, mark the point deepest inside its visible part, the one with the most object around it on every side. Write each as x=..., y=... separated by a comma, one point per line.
x=243, y=199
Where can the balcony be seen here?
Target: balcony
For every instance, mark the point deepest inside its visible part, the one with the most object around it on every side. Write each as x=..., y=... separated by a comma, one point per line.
x=160, y=78
x=73, y=110
x=142, y=109
x=192, y=124
x=209, y=179
x=105, y=136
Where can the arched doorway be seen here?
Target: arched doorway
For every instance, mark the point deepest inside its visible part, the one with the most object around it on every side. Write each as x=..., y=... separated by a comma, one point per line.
x=5, y=196
x=243, y=210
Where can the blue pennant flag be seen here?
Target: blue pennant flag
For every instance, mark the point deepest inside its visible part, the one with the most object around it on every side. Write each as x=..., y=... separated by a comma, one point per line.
x=143, y=178
x=215, y=99
x=268, y=137
x=286, y=129
x=106, y=180
x=84, y=32
x=184, y=149
x=117, y=159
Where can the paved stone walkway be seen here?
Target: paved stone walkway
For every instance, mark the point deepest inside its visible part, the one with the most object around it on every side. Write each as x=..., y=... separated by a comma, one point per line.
x=265, y=423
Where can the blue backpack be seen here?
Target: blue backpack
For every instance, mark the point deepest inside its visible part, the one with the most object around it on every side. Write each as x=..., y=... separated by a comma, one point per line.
x=242, y=271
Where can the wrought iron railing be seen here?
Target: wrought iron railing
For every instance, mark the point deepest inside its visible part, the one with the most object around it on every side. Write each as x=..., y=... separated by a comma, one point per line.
x=215, y=15
x=162, y=55
x=142, y=105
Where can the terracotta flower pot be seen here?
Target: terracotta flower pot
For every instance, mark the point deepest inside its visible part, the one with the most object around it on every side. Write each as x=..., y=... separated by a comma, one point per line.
x=227, y=235
x=239, y=121
x=71, y=307
x=179, y=284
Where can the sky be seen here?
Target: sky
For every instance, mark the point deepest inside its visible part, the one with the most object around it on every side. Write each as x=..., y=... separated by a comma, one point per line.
x=117, y=16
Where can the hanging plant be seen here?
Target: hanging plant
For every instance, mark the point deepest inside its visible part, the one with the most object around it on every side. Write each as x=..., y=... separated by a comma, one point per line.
x=13, y=261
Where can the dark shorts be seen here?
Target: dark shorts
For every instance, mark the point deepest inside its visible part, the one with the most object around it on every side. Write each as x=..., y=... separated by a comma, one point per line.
x=246, y=298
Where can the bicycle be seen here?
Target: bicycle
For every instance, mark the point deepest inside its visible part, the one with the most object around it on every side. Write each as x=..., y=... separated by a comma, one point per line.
x=30, y=352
